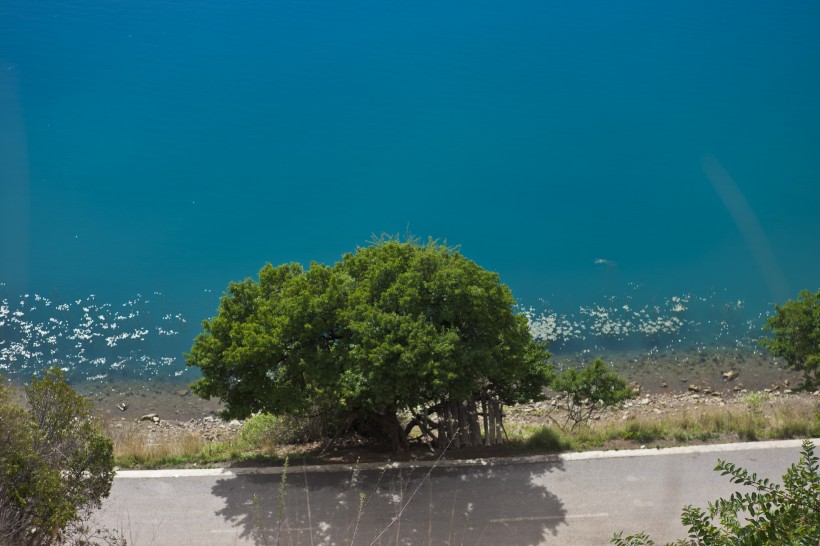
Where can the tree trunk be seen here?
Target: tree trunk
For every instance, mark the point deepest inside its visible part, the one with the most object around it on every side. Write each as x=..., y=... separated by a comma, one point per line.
x=499, y=425
x=475, y=428
x=426, y=426
x=344, y=428
x=447, y=425
x=485, y=410
x=490, y=440
x=452, y=425
x=459, y=426
x=463, y=432
x=388, y=423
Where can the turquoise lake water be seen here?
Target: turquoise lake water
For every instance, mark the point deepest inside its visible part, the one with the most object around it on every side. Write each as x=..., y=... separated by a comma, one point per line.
x=638, y=173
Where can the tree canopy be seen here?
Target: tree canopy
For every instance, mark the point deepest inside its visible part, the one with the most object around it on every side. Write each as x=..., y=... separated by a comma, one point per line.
x=394, y=326
x=796, y=328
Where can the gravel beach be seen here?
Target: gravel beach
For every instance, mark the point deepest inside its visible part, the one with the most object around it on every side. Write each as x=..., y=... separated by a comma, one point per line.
x=668, y=384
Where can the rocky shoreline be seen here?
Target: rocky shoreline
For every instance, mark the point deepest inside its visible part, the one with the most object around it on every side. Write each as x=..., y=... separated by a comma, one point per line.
x=156, y=430
x=649, y=406
x=665, y=385
x=665, y=404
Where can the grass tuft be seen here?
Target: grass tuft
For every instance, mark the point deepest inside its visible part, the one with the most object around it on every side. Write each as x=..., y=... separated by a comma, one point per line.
x=133, y=447
x=788, y=422
x=547, y=439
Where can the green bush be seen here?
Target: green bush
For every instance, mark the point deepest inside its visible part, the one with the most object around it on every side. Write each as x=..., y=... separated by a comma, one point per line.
x=56, y=465
x=644, y=432
x=771, y=514
x=588, y=392
x=796, y=328
x=546, y=439
x=755, y=399
x=260, y=430
x=264, y=431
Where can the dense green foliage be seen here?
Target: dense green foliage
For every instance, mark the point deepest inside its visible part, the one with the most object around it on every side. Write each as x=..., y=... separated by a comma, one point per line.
x=260, y=429
x=55, y=463
x=787, y=515
x=589, y=391
x=390, y=328
x=796, y=328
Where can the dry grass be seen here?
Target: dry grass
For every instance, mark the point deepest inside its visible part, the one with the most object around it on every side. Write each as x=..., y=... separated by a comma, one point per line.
x=789, y=419
x=134, y=446
x=791, y=422
x=263, y=438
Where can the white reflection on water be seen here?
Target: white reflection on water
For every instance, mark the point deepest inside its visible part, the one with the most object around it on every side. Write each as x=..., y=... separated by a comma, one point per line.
x=90, y=339
x=139, y=338
x=625, y=324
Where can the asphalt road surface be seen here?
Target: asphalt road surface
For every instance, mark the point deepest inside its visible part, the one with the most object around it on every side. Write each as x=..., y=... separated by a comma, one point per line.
x=572, y=499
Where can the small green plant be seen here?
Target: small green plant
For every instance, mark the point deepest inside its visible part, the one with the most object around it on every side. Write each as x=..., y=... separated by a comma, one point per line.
x=259, y=522
x=260, y=430
x=771, y=514
x=282, y=500
x=643, y=432
x=796, y=329
x=588, y=392
x=546, y=439
x=755, y=399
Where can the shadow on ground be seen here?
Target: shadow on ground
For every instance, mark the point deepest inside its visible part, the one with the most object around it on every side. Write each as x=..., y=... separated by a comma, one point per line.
x=490, y=504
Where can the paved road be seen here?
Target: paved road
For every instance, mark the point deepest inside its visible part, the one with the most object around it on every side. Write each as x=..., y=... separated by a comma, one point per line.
x=572, y=499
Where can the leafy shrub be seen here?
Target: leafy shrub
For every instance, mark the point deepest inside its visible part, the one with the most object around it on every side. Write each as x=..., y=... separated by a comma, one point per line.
x=55, y=464
x=772, y=514
x=588, y=392
x=263, y=430
x=755, y=399
x=546, y=439
x=260, y=430
x=796, y=328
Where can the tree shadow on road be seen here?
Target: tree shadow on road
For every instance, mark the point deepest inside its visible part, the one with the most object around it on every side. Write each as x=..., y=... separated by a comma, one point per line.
x=499, y=503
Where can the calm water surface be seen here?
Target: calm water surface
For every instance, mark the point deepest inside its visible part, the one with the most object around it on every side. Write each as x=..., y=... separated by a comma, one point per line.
x=641, y=175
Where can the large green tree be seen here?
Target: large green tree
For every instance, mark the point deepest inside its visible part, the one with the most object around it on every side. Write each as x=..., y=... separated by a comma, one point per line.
x=796, y=329
x=393, y=327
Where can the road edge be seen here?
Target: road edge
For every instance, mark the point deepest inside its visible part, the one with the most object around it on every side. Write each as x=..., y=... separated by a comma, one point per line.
x=451, y=463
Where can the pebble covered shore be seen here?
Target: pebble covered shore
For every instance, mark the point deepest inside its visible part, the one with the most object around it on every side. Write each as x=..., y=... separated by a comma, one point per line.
x=161, y=411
